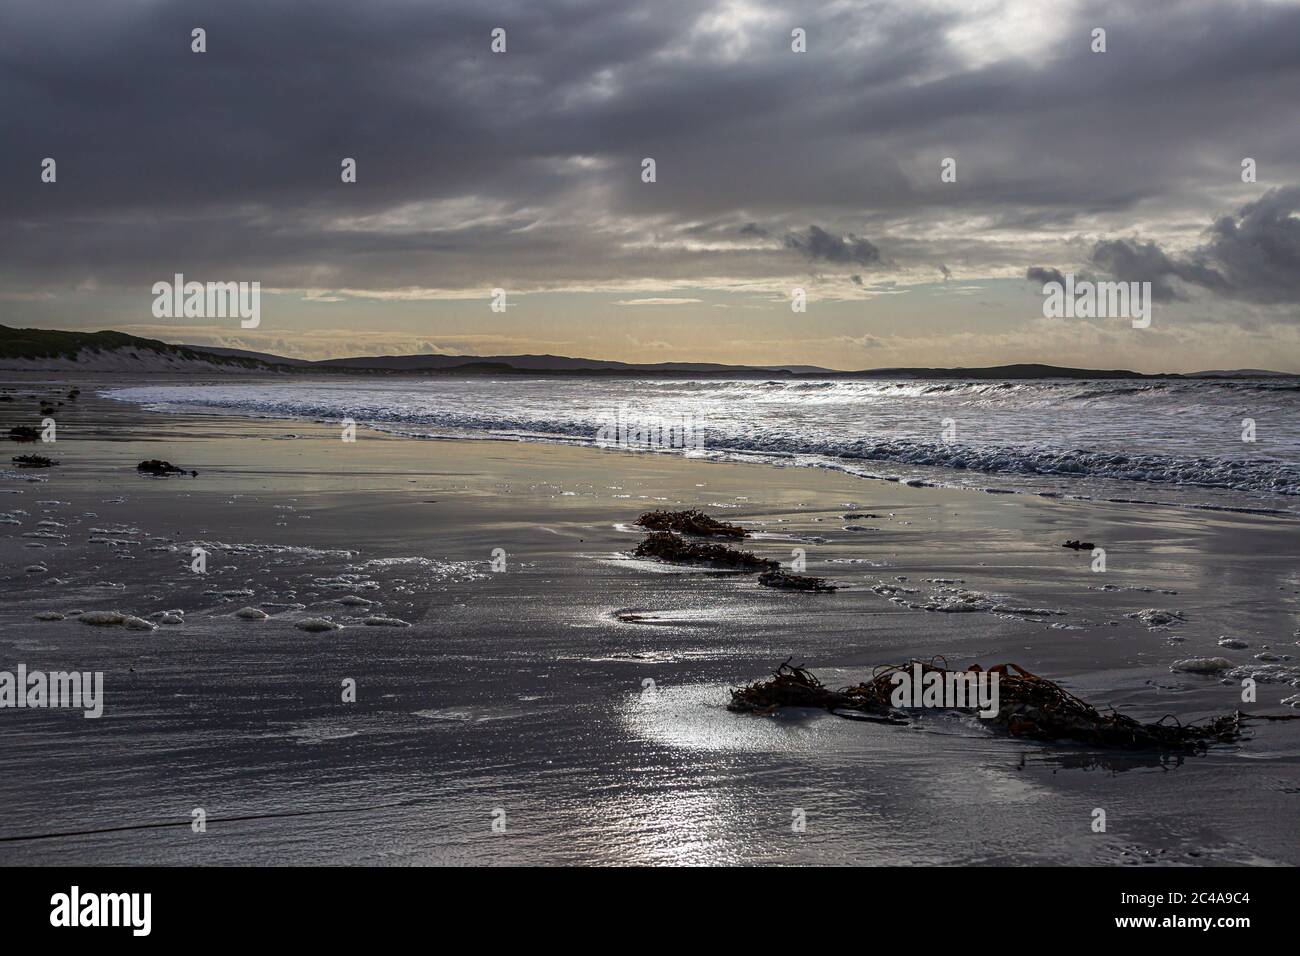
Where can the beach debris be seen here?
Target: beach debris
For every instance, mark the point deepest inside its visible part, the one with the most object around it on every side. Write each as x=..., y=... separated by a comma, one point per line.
x=1201, y=665
x=116, y=619
x=673, y=548
x=48, y=616
x=386, y=622
x=1029, y=707
x=794, y=582
x=1077, y=545
x=857, y=516
x=1154, y=617
x=956, y=600
x=24, y=433
x=34, y=461
x=102, y=618
x=251, y=614
x=1267, y=673
x=690, y=522
x=275, y=607
x=316, y=624
x=158, y=468
x=1119, y=587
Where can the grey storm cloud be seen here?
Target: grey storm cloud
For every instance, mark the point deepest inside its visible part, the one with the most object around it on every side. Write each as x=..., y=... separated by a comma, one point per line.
x=820, y=246
x=1257, y=251
x=1130, y=261
x=1040, y=274
x=1253, y=255
x=524, y=167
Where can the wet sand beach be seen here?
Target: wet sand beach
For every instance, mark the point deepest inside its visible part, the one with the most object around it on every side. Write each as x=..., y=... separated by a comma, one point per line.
x=520, y=666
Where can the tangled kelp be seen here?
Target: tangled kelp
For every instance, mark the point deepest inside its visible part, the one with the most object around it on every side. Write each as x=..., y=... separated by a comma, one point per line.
x=794, y=582
x=666, y=544
x=1029, y=707
x=34, y=461
x=690, y=522
x=674, y=548
x=157, y=468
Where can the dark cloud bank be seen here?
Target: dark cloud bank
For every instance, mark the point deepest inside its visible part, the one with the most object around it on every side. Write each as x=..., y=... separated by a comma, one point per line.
x=1253, y=255
x=478, y=168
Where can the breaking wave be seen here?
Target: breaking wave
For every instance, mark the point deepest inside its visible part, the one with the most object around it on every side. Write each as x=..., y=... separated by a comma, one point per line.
x=1174, y=434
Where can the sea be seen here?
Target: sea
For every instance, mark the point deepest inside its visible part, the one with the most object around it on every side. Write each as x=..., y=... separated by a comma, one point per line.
x=1231, y=444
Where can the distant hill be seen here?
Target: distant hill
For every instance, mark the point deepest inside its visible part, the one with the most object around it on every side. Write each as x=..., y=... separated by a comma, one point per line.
x=264, y=357
x=41, y=349
x=1243, y=373
x=546, y=363
x=47, y=349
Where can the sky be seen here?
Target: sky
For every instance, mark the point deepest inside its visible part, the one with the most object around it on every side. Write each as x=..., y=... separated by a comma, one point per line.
x=774, y=170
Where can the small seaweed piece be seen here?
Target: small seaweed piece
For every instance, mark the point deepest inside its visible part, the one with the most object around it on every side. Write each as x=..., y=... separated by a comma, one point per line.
x=690, y=522
x=34, y=461
x=159, y=469
x=23, y=433
x=673, y=548
x=794, y=582
x=1077, y=545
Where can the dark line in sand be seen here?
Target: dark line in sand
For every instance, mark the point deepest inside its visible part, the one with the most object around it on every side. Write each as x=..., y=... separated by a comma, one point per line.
x=185, y=823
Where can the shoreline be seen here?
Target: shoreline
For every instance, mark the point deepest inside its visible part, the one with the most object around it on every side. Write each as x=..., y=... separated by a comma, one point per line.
x=1066, y=484
x=526, y=687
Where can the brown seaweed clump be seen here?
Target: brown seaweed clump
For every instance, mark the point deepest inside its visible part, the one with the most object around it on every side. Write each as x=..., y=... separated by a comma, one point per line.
x=34, y=461
x=160, y=469
x=793, y=686
x=667, y=546
x=23, y=433
x=794, y=582
x=690, y=522
x=1029, y=706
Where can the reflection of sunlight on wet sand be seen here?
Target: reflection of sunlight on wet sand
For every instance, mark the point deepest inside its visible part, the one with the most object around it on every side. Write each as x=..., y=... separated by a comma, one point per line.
x=695, y=718
x=671, y=818
x=692, y=826
x=859, y=783
x=619, y=559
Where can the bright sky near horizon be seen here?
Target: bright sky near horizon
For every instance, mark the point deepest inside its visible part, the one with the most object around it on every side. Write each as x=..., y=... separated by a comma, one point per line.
x=775, y=168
